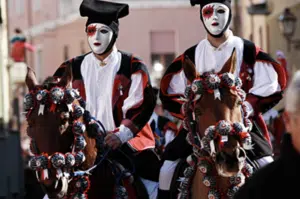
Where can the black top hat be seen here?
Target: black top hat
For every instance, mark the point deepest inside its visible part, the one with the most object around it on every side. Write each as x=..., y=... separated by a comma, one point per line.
x=202, y=3
x=103, y=12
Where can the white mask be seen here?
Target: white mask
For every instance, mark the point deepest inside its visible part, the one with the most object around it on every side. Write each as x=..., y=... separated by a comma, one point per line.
x=215, y=17
x=99, y=37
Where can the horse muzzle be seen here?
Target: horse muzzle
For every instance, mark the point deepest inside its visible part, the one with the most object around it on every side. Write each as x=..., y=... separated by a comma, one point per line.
x=54, y=188
x=229, y=165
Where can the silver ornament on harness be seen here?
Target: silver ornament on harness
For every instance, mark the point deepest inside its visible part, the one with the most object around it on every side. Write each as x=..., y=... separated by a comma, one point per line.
x=224, y=127
x=79, y=158
x=78, y=128
x=56, y=95
x=28, y=102
x=79, y=143
x=228, y=79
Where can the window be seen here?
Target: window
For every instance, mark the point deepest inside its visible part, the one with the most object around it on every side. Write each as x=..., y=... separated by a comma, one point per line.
x=164, y=60
x=268, y=38
x=66, y=52
x=160, y=62
x=162, y=53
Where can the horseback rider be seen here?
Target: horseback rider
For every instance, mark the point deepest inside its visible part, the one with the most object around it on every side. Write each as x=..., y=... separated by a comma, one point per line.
x=263, y=80
x=116, y=87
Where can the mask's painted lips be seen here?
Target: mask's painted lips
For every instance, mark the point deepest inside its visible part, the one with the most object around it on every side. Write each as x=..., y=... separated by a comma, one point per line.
x=97, y=44
x=215, y=24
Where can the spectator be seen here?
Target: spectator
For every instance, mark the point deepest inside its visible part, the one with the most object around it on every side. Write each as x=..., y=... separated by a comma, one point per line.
x=280, y=57
x=279, y=179
x=18, y=36
x=19, y=46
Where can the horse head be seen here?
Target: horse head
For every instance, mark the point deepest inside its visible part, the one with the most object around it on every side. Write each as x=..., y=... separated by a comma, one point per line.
x=213, y=107
x=62, y=133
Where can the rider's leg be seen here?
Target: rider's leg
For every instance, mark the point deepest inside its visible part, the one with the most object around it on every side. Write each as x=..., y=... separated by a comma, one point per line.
x=144, y=164
x=264, y=161
x=147, y=165
x=151, y=187
x=165, y=178
x=169, y=136
x=261, y=153
x=177, y=149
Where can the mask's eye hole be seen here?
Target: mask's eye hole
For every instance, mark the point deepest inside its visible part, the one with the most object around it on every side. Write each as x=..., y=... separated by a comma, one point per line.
x=221, y=11
x=104, y=31
x=207, y=12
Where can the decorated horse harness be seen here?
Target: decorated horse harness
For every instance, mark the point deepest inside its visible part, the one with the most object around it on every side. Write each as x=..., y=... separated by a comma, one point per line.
x=67, y=166
x=204, y=147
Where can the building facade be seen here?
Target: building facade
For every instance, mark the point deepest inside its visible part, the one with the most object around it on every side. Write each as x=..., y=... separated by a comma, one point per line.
x=155, y=30
x=261, y=25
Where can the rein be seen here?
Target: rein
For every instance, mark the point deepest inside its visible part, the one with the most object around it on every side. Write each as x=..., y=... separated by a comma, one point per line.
x=65, y=164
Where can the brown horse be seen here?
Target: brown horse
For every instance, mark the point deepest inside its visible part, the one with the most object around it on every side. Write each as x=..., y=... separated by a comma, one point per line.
x=213, y=107
x=71, y=159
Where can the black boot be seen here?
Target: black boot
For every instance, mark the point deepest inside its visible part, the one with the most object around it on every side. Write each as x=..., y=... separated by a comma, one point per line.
x=163, y=194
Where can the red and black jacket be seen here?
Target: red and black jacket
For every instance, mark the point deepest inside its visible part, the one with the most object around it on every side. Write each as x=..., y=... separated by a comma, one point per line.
x=251, y=55
x=136, y=117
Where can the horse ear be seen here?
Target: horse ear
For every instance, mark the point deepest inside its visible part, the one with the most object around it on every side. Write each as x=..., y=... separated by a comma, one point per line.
x=189, y=69
x=30, y=80
x=230, y=65
x=67, y=77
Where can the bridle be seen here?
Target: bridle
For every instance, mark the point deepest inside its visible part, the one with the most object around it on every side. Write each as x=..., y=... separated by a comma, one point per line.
x=203, y=147
x=67, y=166
x=64, y=165
x=211, y=83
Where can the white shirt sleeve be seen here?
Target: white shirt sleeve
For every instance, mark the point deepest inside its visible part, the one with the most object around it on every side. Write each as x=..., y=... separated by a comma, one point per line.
x=265, y=80
x=178, y=83
x=135, y=95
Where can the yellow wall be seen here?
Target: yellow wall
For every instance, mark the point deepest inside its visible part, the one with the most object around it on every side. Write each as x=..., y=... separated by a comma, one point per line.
x=278, y=42
x=272, y=39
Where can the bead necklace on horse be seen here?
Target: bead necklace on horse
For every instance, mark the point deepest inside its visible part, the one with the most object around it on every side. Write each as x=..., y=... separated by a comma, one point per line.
x=70, y=157
x=218, y=132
